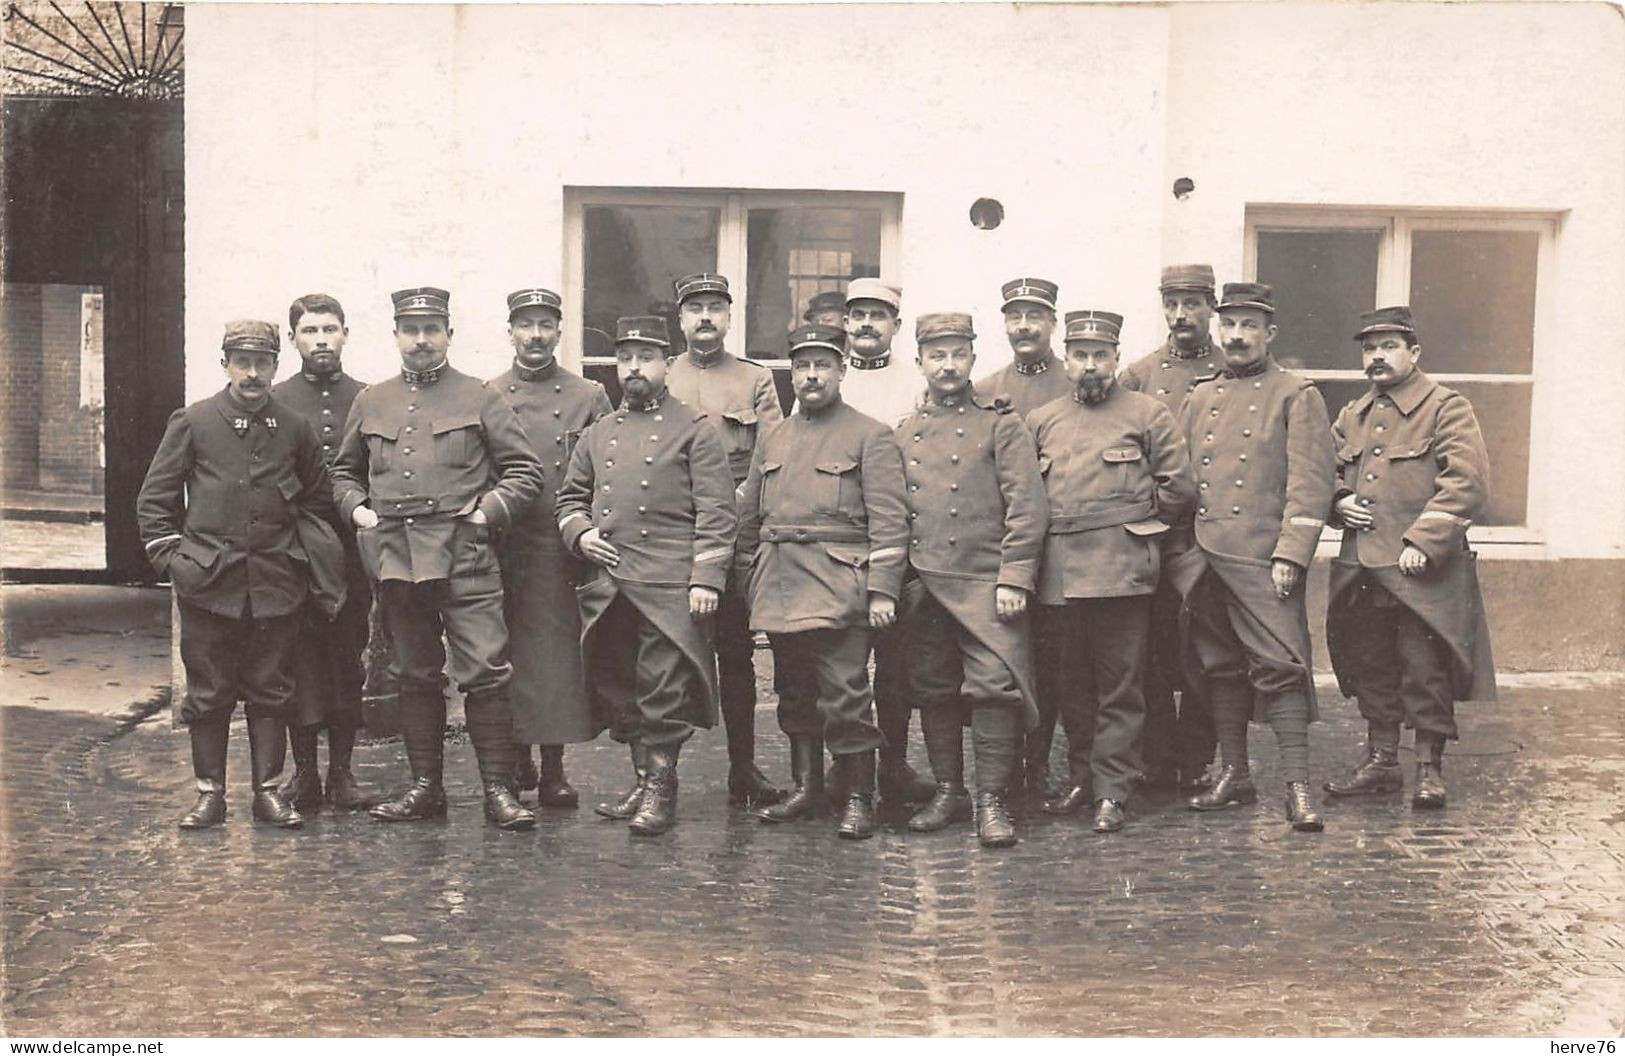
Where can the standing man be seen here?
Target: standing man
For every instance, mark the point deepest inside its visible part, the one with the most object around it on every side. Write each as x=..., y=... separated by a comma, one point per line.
x=1178, y=745
x=1034, y=377
x=1117, y=473
x=539, y=575
x=1264, y=464
x=230, y=511
x=432, y=462
x=738, y=398
x=1405, y=622
x=978, y=516
x=648, y=497
x=328, y=670
x=823, y=541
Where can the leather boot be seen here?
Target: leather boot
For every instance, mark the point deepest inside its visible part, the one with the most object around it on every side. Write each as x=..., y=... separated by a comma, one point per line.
x=304, y=789
x=1429, y=794
x=1069, y=800
x=526, y=776
x=1197, y=777
x=657, y=808
x=1300, y=810
x=209, y=737
x=900, y=783
x=944, y=730
x=1108, y=816
x=343, y=791
x=490, y=728
x=267, y=751
x=503, y=809
x=1378, y=772
x=994, y=828
x=1233, y=785
x=858, y=775
x=423, y=730
x=950, y=804
x=807, y=769
x=627, y=805
x=552, y=790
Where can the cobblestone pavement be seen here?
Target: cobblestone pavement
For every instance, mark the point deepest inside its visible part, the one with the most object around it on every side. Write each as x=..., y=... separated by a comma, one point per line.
x=1501, y=915
x=52, y=544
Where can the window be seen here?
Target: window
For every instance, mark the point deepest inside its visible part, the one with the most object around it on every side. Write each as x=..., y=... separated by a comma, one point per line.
x=778, y=249
x=1470, y=279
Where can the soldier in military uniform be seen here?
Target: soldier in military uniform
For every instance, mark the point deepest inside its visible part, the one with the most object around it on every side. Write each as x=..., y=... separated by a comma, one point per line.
x=1262, y=453
x=977, y=514
x=739, y=400
x=548, y=690
x=432, y=462
x=1034, y=377
x=1405, y=622
x=1178, y=744
x=1117, y=472
x=648, y=497
x=235, y=510
x=328, y=670
x=826, y=308
x=823, y=540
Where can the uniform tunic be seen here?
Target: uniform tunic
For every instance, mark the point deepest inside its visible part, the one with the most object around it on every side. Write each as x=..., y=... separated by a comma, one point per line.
x=424, y=450
x=1262, y=452
x=1028, y=387
x=329, y=671
x=539, y=573
x=977, y=518
x=1170, y=375
x=1408, y=646
x=219, y=513
x=653, y=480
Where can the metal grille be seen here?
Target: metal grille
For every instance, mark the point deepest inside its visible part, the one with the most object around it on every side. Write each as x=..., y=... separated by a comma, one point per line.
x=121, y=50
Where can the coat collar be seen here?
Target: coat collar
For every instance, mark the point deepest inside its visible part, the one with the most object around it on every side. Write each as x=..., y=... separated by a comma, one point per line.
x=649, y=406
x=1209, y=352
x=524, y=373
x=1044, y=365
x=240, y=418
x=1407, y=395
x=425, y=377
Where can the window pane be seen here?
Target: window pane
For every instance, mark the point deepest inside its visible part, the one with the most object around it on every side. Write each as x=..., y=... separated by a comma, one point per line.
x=796, y=252
x=1323, y=280
x=1473, y=293
x=632, y=255
x=1503, y=418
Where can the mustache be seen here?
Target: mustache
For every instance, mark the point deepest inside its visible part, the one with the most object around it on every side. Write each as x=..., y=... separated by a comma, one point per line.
x=866, y=332
x=1378, y=365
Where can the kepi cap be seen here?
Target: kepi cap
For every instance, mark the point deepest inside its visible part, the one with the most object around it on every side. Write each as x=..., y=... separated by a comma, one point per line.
x=933, y=325
x=826, y=301
x=535, y=297
x=1248, y=295
x=817, y=335
x=1092, y=325
x=649, y=328
x=1188, y=277
x=421, y=300
x=251, y=335
x=701, y=282
x=1033, y=291
x=1395, y=317
x=867, y=289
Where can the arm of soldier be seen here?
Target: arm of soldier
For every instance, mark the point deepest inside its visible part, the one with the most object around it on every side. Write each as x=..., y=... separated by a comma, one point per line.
x=1026, y=514
x=1129, y=378
x=316, y=490
x=160, y=506
x=1461, y=487
x=1346, y=512
x=349, y=472
x=600, y=404
x=748, y=539
x=716, y=521
x=766, y=398
x=1311, y=472
x=1175, y=483
x=573, y=505
x=884, y=486
x=520, y=477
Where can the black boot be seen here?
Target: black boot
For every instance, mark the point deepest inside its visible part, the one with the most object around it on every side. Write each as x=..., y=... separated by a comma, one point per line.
x=950, y=804
x=1069, y=800
x=994, y=827
x=858, y=776
x=900, y=783
x=526, y=776
x=1378, y=772
x=304, y=789
x=1300, y=811
x=267, y=751
x=343, y=791
x=657, y=808
x=490, y=727
x=209, y=736
x=807, y=769
x=1429, y=794
x=1233, y=785
x=627, y=805
x=423, y=730
x=944, y=729
x=552, y=790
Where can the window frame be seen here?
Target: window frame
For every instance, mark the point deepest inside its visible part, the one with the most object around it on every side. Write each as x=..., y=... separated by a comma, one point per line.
x=734, y=205
x=1394, y=287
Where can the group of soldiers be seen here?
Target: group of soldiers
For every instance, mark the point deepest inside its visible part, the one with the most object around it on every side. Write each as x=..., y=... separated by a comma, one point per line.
x=1122, y=550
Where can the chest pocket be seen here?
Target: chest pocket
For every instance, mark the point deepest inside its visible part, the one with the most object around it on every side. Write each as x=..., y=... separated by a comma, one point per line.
x=380, y=440
x=770, y=486
x=457, y=440
x=838, y=487
x=738, y=438
x=1122, y=466
x=1406, y=452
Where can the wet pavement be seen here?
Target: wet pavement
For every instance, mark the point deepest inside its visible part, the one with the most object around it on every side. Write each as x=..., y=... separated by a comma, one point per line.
x=1504, y=914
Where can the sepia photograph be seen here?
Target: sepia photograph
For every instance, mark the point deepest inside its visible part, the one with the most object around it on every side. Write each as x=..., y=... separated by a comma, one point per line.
x=812, y=520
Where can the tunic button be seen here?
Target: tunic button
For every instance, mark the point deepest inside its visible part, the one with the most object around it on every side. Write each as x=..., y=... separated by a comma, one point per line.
x=1201, y=509
x=953, y=487
x=1242, y=456
x=326, y=393
x=410, y=521
x=1206, y=460
x=406, y=450
x=1376, y=450
x=560, y=440
x=606, y=533
x=643, y=509
x=643, y=483
x=649, y=459
x=961, y=410
x=558, y=388
x=407, y=474
x=1235, y=509
x=913, y=487
x=612, y=441
x=555, y=414
x=916, y=438
x=606, y=511
x=913, y=461
x=1162, y=392
x=1258, y=384
x=411, y=406
x=952, y=540
x=1203, y=485
x=954, y=459
x=1252, y=406
x=1365, y=502
x=1219, y=388
x=431, y=502
x=1214, y=413
x=606, y=487
x=1165, y=364
x=1382, y=428
x=658, y=417
x=1246, y=432
x=1371, y=476
x=557, y=464
x=327, y=447
x=1238, y=483
x=609, y=463
x=644, y=532
x=513, y=388
x=916, y=542
x=652, y=438
x=255, y=457
x=959, y=432
x=1210, y=438
x=913, y=516
x=411, y=428
x=414, y=388
x=327, y=428
x=953, y=511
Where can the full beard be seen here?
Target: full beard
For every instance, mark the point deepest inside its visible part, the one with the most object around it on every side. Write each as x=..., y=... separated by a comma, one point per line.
x=1093, y=390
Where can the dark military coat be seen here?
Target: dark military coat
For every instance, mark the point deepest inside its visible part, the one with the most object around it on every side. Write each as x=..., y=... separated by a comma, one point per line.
x=1028, y=388
x=977, y=517
x=539, y=573
x=220, y=507
x=1170, y=376
x=653, y=480
x=1413, y=455
x=322, y=400
x=1117, y=474
x=822, y=521
x=423, y=454
x=736, y=395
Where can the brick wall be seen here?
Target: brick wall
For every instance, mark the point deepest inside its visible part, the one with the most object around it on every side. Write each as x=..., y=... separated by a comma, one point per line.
x=20, y=376
x=51, y=441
